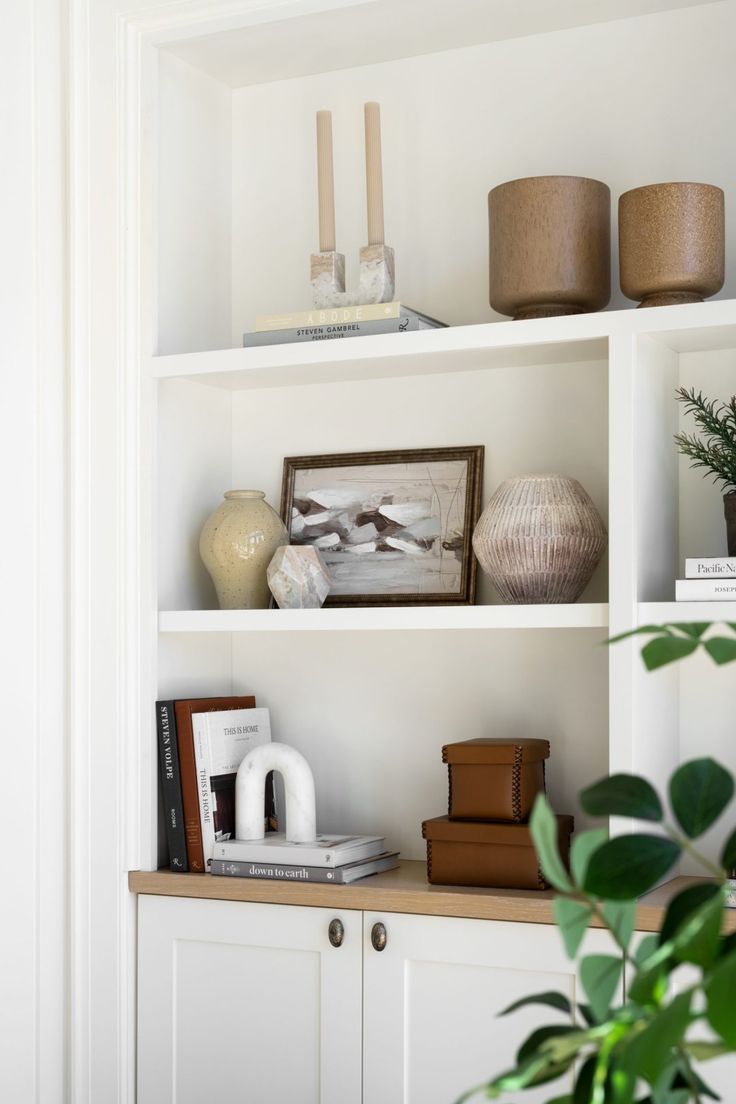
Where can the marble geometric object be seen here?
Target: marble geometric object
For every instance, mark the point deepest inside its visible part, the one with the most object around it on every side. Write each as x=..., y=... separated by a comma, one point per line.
x=327, y=268
x=298, y=578
x=250, y=792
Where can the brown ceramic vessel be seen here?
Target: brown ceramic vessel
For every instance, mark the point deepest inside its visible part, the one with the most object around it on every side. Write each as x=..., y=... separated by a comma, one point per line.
x=671, y=243
x=550, y=246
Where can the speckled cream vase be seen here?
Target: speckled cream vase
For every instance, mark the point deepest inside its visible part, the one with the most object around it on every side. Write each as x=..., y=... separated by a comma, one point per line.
x=539, y=539
x=236, y=545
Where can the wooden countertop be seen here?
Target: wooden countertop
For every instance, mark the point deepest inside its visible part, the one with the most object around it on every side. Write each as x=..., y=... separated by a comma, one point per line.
x=402, y=890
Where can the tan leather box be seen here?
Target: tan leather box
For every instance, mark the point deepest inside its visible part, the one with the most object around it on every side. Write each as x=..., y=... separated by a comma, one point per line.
x=495, y=779
x=500, y=856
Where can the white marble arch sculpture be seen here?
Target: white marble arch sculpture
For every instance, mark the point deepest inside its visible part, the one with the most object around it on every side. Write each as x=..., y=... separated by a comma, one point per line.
x=250, y=791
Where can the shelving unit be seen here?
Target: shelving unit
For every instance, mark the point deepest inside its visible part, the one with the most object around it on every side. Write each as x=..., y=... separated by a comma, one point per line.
x=191, y=209
x=370, y=695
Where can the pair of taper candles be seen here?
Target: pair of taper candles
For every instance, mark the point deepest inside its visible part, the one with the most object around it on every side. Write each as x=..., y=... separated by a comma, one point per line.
x=373, y=178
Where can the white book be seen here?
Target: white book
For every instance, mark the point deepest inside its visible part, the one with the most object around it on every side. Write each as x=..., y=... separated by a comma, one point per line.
x=705, y=590
x=327, y=316
x=713, y=568
x=324, y=851
x=222, y=739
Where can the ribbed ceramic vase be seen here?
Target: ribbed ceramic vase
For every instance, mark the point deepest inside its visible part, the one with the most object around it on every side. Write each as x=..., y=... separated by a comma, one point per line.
x=540, y=539
x=236, y=545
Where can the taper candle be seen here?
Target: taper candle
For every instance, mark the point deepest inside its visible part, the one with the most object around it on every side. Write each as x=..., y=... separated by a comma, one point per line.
x=325, y=183
x=374, y=173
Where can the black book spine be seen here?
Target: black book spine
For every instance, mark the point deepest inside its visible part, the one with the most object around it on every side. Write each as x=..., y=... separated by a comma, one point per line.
x=171, y=785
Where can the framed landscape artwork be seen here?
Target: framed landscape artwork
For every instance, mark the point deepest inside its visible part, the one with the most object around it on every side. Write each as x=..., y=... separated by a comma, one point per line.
x=393, y=527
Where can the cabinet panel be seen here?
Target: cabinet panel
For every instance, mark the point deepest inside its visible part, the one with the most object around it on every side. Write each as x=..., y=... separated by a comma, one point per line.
x=227, y=990
x=432, y=998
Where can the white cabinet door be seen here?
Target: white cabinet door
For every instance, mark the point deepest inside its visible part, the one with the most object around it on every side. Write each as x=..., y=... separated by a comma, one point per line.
x=432, y=998
x=247, y=1004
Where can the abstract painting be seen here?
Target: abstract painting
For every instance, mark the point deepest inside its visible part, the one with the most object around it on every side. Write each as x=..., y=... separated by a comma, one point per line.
x=392, y=527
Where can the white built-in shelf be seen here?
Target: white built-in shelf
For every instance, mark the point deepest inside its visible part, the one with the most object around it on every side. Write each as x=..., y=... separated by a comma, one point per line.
x=358, y=34
x=656, y=613
x=689, y=328
x=580, y=616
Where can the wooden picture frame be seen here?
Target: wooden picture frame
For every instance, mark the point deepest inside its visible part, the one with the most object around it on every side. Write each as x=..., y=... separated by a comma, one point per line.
x=408, y=543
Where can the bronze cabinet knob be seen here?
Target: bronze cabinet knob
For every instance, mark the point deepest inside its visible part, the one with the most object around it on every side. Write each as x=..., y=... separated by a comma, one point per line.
x=379, y=937
x=336, y=933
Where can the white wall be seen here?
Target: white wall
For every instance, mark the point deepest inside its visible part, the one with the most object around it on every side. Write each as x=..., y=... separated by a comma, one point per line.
x=33, y=925
x=631, y=102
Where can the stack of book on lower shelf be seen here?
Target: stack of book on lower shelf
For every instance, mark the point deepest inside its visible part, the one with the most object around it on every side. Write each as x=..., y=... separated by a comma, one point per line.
x=329, y=323
x=202, y=742
x=708, y=580
x=335, y=859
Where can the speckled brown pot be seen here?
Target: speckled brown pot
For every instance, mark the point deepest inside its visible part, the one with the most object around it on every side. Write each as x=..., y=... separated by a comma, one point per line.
x=550, y=246
x=671, y=243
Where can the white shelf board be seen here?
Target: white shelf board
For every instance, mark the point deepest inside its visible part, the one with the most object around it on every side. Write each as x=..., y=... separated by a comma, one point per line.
x=584, y=337
x=655, y=613
x=318, y=36
x=381, y=618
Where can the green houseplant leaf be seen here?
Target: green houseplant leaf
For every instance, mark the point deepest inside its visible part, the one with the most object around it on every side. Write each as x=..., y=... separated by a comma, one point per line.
x=600, y=975
x=721, y=649
x=682, y=906
x=697, y=939
x=620, y=917
x=572, y=918
x=622, y=795
x=628, y=866
x=543, y=827
x=583, y=846
x=648, y=1051
x=728, y=854
x=699, y=792
x=720, y=990
x=666, y=649
x=552, y=999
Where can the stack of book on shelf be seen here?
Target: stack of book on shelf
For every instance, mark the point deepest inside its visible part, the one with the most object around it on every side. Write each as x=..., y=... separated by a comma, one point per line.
x=202, y=742
x=327, y=324
x=336, y=859
x=708, y=580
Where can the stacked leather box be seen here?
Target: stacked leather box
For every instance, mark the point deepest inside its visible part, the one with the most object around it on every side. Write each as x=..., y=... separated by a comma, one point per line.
x=485, y=839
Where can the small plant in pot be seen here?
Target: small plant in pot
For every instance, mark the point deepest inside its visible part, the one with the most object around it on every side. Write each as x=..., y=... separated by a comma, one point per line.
x=679, y=1008
x=716, y=450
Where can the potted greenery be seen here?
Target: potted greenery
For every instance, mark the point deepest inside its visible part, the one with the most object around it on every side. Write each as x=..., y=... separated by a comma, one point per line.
x=641, y=1050
x=716, y=452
